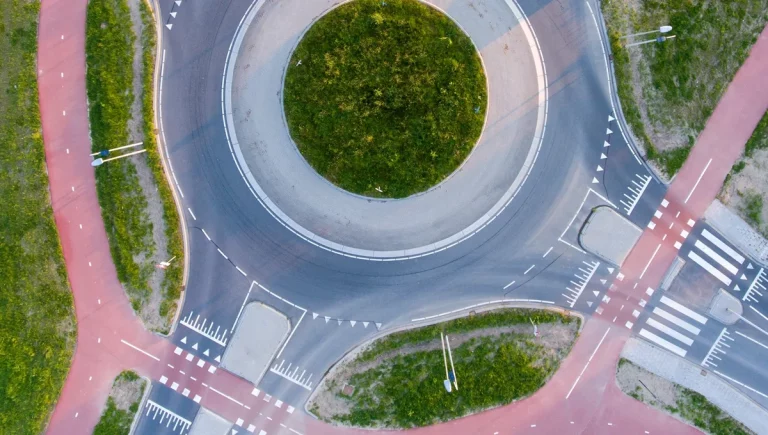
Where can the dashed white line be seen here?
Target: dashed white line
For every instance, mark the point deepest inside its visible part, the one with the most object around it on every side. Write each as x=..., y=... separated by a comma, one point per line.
x=529, y=269
x=505, y=287
x=222, y=254
x=190, y=212
x=206, y=234
x=547, y=253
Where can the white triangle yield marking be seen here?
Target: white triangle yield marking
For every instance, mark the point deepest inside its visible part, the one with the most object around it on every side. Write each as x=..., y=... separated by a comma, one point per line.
x=603, y=156
x=595, y=292
x=603, y=281
x=744, y=277
x=737, y=288
x=233, y=432
x=610, y=270
x=594, y=180
x=608, y=131
x=194, y=346
x=599, y=168
x=314, y=316
x=178, y=2
x=365, y=324
x=606, y=144
x=217, y=359
x=327, y=319
x=611, y=118
x=169, y=26
x=378, y=325
x=750, y=266
x=184, y=340
x=338, y=320
x=589, y=303
x=352, y=322
x=173, y=14
x=207, y=352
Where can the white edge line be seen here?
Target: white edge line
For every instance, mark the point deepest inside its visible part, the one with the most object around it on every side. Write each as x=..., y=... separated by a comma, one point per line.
x=739, y=383
x=241, y=308
x=141, y=350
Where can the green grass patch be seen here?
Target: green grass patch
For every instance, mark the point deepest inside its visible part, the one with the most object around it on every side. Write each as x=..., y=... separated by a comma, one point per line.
x=37, y=321
x=681, y=80
x=172, y=280
x=759, y=138
x=753, y=209
x=388, y=95
x=398, y=382
x=109, y=59
x=117, y=421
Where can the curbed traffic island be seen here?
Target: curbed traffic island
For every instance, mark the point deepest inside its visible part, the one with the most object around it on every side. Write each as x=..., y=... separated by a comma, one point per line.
x=489, y=360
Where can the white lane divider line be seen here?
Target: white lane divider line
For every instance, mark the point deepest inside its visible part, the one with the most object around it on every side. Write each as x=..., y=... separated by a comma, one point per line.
x=140, y=350
x=676, y=320
x=200, y=328
x=723, y=246
x=587, y=364
x=752, y=340
x=645, y=269
x=718, y=347
x=743, y=385
x=709, y=268
x=636, y=192
x=684, y=310
x=469, y=307
x=697, y=182
x=650, y=336
x=701, y=246
x=753, y=287
x=179, y=422
x=581, y=282
x=300, y=379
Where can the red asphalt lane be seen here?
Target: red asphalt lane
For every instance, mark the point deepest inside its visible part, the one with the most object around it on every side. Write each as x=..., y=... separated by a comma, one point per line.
x=582, y=397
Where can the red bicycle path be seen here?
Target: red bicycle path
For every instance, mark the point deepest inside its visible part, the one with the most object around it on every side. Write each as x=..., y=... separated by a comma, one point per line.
x=582, y=397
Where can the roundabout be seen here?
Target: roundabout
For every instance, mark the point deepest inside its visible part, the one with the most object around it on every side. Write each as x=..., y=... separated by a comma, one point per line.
x=462, y=204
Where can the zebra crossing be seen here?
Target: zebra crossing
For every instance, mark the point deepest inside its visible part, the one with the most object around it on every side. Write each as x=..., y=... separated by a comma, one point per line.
x=724, y=263
x=672, y=326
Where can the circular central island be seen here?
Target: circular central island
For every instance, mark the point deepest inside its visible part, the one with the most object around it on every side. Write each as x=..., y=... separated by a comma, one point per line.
x=385, y=99
x=385, y=129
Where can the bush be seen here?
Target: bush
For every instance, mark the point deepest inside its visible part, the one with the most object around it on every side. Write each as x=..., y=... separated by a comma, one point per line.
x=388, y=95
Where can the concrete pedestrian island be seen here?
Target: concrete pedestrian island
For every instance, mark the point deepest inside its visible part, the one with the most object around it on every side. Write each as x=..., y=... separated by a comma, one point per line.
x=609, y=235
x=257, y=339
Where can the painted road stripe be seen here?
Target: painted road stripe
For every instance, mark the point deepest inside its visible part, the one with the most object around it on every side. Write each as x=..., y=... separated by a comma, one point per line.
x=661, y=342
x=723, y=247
x=709, y=268
x=677, y=321
x=669, y=331
x=679, y=307
x=717, y=257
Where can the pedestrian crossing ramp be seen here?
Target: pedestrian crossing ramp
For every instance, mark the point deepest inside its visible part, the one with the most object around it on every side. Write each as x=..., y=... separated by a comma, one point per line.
x=672, y=326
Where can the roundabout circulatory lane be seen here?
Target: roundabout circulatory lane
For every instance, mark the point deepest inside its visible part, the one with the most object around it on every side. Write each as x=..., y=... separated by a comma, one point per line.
x=367, y=228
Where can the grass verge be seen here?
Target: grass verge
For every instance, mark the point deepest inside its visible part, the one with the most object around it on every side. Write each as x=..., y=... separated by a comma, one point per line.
x=685, y=404
x=37, y=321
x=669, y=90
x=172, y=280
x=398, y=381
x=122, y=404
x=385, y=99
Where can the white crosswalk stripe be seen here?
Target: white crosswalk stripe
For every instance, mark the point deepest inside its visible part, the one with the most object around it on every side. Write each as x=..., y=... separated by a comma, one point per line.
x=723, y=247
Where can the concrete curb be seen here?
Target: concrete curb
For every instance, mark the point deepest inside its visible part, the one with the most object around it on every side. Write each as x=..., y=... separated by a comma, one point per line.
x=354, y=352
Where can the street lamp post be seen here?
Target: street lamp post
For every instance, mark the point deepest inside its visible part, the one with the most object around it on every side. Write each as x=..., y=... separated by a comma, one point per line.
x=659, y=39
x=105, y=153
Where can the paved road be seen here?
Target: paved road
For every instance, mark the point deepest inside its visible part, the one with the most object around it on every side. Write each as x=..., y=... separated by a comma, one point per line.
x=528, y=253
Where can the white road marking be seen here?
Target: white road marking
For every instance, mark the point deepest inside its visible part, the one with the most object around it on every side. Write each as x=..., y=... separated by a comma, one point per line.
x=715, y=256
x=758, y=312
x=547, y=253
x=697, y=182
x=589, y=190
x=242, y=306
x=225, y=396
x=136, y=348
x=293, y=376
x=200, y=328
x=178, y=421
x=723, y=246
x=645, y=269
x=753, y=287
x=650, y=336
x=684, y=310
x=651, y=224
x=582, y=281
x=717, y=347
x=222, y=254
x=658, y=214
x=739, y=383
x=190, y=212
x=669, y=331
x=498, y=301
x=506, y=286
x=709, y=268
x=752, y=340
x=241, y=271
x=635, y=192
x=529, y=269
x=664, y=203
x=678, y=245
x=587, y=364
x=163, y=380
x=676, y=320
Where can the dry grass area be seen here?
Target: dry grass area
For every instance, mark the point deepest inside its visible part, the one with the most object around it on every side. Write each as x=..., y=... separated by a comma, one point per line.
x=123, y=402
x=684, y=404
x=669, y=90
